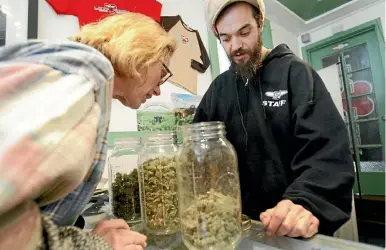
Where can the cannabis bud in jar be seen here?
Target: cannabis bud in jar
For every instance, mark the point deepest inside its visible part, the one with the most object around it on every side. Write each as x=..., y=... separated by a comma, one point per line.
x=209, y=188
x=123, y=180
x=160, y=198
x=212, y=223
x=126, y=203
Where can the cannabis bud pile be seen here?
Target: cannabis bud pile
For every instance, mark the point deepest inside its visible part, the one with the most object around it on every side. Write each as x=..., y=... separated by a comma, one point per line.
x=125, y=196
x=159, y=195
x=212, y=222
x=209, y=188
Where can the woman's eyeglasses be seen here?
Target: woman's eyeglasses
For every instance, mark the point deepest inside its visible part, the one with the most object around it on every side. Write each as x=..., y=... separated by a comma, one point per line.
x=166, y=76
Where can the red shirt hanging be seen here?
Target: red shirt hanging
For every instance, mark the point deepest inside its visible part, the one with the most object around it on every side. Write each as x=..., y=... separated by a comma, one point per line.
x=89, y=11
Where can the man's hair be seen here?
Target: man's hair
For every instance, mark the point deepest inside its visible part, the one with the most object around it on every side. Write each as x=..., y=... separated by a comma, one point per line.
x=131, y=41
x=257, y=16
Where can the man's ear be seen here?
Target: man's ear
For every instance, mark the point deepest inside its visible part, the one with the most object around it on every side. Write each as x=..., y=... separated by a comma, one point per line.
x=259, y=20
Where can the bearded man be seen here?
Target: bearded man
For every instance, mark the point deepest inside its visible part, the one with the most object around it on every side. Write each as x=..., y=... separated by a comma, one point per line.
x=296, y=169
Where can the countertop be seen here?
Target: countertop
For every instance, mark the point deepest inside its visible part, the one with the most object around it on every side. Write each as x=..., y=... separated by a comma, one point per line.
x=256, y=239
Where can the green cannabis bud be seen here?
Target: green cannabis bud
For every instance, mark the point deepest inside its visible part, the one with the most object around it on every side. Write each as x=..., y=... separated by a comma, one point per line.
x=159, y=194
x=212, y=222
x=126, y=204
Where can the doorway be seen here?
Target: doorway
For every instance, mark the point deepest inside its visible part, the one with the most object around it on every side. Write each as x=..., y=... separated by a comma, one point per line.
x=362, y=50
x=365, y=74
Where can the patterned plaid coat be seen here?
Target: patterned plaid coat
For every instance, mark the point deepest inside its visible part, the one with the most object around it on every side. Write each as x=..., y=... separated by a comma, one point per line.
x=55, y=101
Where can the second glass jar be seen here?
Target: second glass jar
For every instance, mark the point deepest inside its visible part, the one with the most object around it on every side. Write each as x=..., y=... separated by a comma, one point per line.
x=158, y=183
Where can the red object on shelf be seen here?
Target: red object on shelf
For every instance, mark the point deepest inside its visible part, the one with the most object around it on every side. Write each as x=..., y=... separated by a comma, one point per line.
x=91, y=11
x=364, y=105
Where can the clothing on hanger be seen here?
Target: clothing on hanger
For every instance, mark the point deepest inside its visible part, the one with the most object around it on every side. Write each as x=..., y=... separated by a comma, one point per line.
x=190, y=56
x=91, y=11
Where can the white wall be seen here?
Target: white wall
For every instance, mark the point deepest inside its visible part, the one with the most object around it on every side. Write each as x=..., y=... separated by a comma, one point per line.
x=357, y=18
x=281, y=35
x=223, y=60
x=53, y=26
x=330, y=77
x=17, y=20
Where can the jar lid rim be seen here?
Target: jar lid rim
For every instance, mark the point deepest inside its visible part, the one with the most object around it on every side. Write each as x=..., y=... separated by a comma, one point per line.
x=200, y=125
x=161, y=136
x=127, y=139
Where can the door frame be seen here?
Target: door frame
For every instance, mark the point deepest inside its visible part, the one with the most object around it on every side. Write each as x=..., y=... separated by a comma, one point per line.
x=371, y=26
x=374, y=25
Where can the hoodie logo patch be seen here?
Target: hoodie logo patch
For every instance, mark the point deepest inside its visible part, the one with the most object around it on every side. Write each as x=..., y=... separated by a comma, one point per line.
x=276, y=96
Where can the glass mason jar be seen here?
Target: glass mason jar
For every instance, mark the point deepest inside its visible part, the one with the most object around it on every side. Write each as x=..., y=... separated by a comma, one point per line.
x=158, y=184
x=123, y=180
x=209, y=188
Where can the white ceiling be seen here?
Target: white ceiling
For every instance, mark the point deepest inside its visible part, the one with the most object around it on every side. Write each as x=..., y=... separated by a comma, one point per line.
x=281, y=15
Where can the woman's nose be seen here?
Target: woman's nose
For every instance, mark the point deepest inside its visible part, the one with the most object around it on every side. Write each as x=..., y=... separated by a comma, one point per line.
x=157, y=91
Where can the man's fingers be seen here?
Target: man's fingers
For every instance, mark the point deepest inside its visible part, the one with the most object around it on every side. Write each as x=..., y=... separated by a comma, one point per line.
x=265, y=219
x=302, y=225
x=299, y=229
x=266, y=216
x=290, y=221
x=278, y=216
x=313, y=228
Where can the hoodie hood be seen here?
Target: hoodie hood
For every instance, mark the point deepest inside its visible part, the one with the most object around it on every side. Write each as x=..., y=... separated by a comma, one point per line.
x=278, y=52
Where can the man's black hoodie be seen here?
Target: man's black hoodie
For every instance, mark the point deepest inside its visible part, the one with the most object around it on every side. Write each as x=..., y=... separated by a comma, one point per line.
x=290, y=139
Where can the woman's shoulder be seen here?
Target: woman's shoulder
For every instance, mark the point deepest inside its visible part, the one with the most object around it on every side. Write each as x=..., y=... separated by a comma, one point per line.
x=63, y=55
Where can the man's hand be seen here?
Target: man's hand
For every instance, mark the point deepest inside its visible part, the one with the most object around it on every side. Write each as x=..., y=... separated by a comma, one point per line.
x=289, y=219
x=118, y=234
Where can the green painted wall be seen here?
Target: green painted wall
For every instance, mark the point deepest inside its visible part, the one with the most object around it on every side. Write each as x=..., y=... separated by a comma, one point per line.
x=267, y=34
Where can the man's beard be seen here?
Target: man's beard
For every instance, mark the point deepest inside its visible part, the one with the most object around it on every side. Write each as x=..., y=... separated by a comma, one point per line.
x=248, y=68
